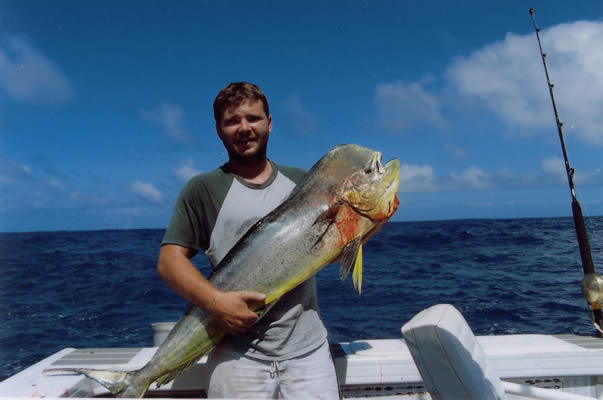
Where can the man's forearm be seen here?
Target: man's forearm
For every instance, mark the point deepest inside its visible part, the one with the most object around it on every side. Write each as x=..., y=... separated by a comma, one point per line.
x=176, y=269
x=230, y=309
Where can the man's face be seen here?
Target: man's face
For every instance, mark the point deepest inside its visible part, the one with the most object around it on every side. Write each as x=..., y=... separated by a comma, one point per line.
x=244, y=130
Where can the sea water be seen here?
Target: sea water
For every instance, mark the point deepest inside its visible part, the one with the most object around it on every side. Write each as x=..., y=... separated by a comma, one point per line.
x=101, y=289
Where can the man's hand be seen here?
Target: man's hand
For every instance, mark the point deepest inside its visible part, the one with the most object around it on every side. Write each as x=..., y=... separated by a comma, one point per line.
x=232, y=310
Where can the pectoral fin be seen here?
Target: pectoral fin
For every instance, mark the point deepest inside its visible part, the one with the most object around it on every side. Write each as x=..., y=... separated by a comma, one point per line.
x=351, y=260
x=328, y=216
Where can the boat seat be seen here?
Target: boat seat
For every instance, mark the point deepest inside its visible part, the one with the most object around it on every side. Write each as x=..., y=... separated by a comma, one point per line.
x=448, y=356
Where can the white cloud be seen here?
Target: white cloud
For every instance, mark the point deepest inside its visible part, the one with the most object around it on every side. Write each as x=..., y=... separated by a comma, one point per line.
x=422, y=178
x=186, y=171
x=299, y=120
x=29, y=76
x=417, y=178
x=554, y=166
x=472, y=177
x=402, y=106
x=507, y=77
x=12, y=172
x=170, y=118
x=455, y=152
x=55, y=183
x=146, y=190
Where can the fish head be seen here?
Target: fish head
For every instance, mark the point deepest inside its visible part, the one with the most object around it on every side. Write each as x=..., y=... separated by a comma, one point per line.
x=372, y=189
x=367, y=197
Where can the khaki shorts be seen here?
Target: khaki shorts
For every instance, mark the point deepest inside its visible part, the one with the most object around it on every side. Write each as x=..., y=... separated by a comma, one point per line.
x=310, y=376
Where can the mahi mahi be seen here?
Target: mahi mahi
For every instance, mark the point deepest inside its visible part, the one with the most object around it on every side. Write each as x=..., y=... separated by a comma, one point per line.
x=345, y=198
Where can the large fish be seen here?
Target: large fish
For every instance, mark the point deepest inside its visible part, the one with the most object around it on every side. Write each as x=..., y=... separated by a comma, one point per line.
x=345, y=198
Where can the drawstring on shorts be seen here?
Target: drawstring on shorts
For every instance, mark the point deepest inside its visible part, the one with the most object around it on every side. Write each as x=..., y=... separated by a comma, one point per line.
x=274, y=369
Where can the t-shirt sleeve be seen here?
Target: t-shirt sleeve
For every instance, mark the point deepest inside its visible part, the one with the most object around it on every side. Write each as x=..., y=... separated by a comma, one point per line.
x=189, y=225
x=294, y=173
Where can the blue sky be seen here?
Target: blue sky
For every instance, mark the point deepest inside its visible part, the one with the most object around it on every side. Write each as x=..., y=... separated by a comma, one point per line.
x=105, y=107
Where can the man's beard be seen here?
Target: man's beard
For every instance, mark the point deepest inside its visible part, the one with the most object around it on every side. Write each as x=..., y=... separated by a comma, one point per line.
x=250, y=159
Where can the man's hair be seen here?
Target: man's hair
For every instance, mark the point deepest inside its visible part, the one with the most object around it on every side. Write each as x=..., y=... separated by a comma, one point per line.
x=235, y=94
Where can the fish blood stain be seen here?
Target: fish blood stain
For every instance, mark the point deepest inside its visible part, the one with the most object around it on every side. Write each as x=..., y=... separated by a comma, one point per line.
x=347, y=223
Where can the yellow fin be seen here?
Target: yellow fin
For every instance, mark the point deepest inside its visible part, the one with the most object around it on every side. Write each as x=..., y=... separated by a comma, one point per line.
x=351, y=260
x=357, y=271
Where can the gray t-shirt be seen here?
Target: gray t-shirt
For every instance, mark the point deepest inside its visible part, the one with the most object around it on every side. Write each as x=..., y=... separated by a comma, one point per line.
x=213, y=211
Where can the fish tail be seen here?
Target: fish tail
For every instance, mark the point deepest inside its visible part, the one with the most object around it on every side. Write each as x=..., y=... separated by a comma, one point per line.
x=119, y=383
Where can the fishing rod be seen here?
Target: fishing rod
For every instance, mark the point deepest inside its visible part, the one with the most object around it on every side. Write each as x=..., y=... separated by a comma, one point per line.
x=592, y=284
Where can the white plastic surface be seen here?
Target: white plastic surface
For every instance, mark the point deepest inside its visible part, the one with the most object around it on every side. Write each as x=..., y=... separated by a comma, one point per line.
x=575, y=360
x=448, y=356
x=161, y=330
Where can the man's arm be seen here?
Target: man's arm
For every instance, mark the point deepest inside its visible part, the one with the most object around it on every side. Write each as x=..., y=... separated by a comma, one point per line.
x=230, y=309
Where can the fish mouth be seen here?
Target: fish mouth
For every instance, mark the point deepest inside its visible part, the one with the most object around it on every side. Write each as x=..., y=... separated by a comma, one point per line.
x=392, y=168
x=383, y=190
x=388, y=203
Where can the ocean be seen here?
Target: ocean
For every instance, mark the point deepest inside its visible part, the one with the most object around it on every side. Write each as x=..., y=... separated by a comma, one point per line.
x=100, y=288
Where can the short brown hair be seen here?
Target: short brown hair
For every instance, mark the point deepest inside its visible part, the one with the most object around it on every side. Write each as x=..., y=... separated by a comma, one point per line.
x=235, y=94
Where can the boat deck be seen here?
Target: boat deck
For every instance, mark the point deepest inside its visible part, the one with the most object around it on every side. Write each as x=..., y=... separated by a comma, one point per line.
x=365, y=368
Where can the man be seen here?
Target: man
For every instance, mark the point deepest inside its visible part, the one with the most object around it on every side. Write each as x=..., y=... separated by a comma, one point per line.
x=285, y=354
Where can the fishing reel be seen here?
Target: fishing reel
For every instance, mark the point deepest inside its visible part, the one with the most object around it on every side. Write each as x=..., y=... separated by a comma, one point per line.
x=592, y=288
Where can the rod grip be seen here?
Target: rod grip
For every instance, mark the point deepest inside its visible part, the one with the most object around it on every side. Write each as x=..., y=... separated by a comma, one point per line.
x=585, y=254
